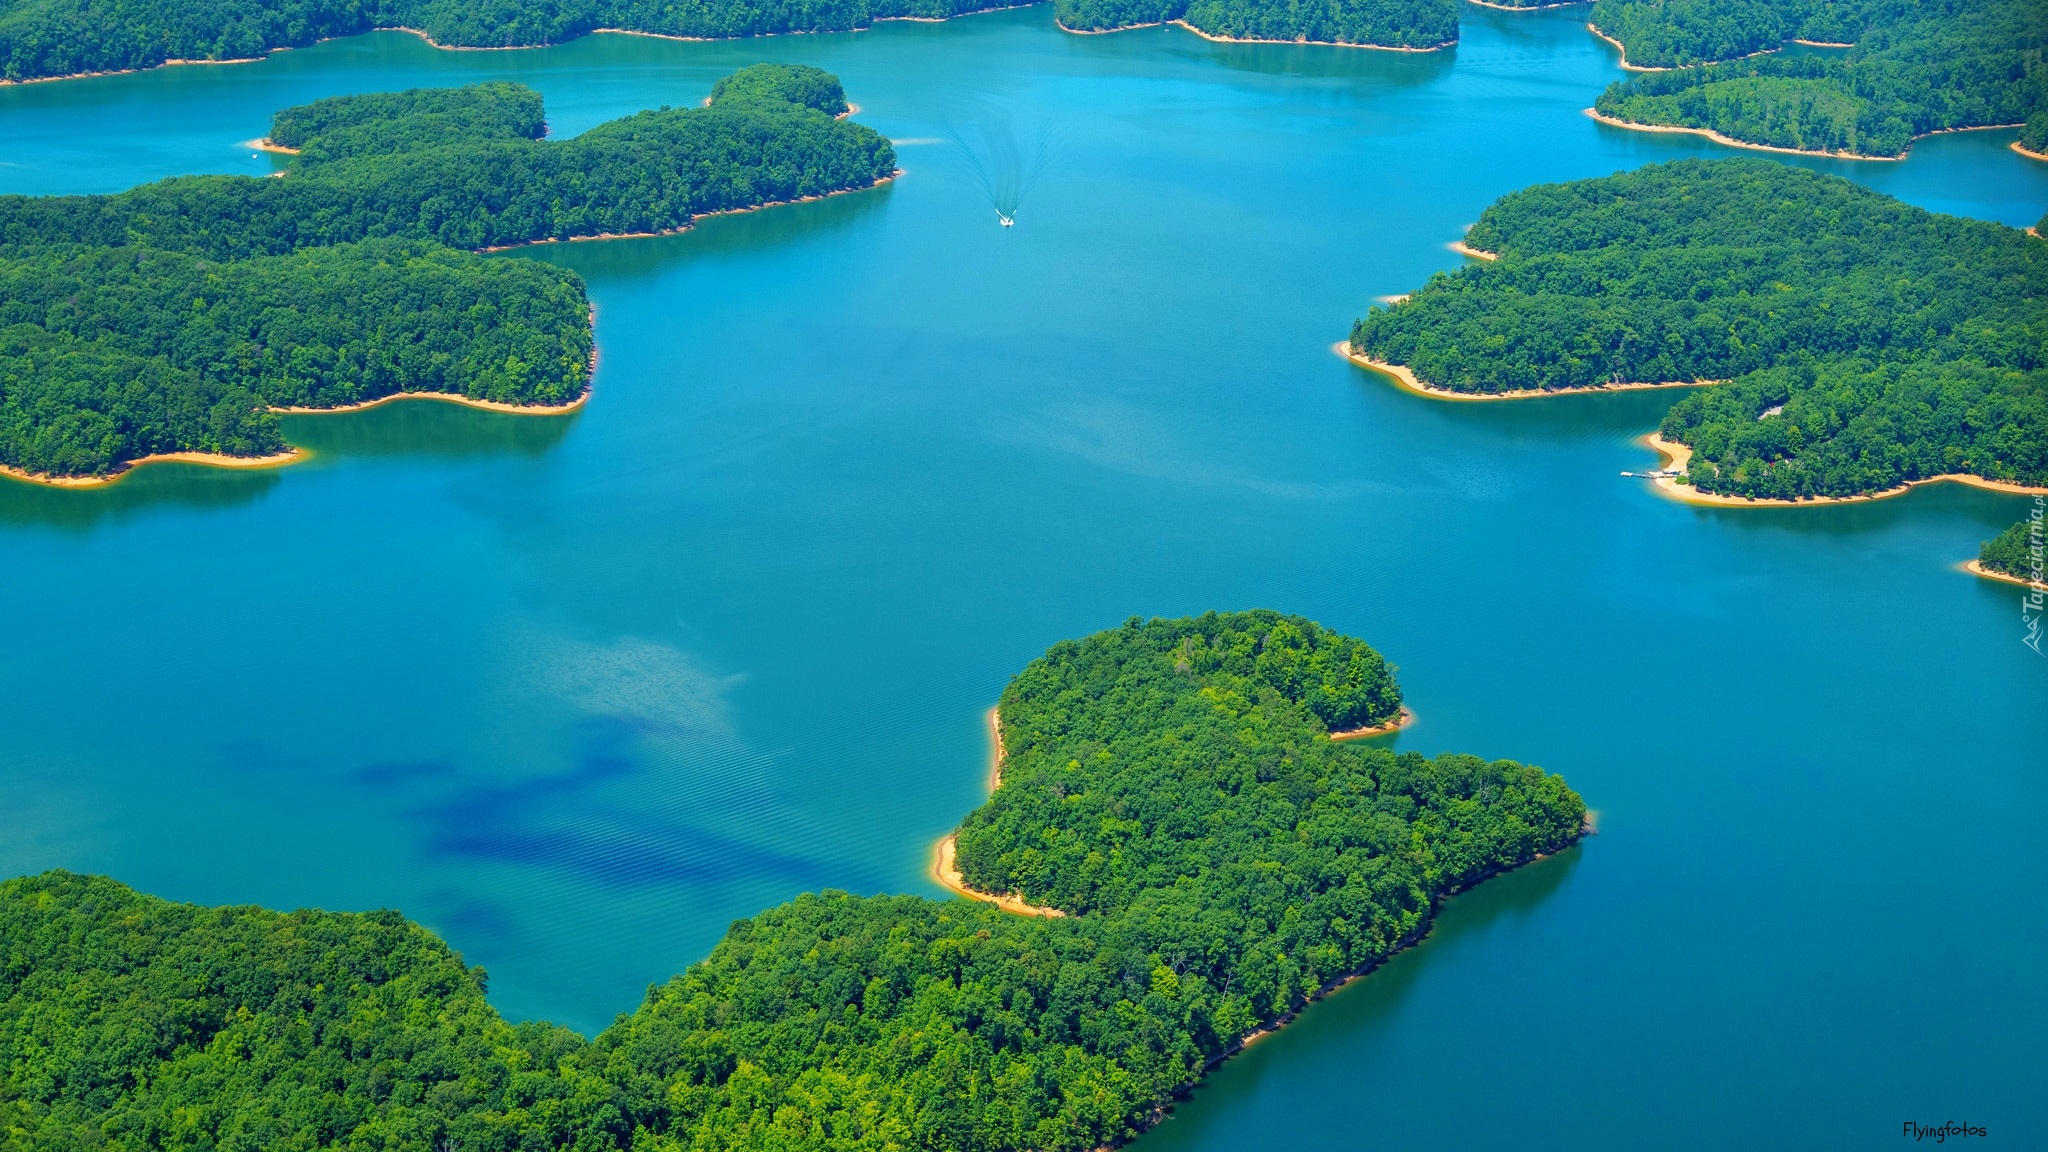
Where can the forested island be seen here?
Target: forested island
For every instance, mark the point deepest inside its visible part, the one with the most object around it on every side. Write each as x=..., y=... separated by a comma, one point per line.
x=1170, y=784
x=2015, y=553
x=173, y=317
x=1864, y=343
x=42, y=39
x=1909, y=70
x=1412, y=24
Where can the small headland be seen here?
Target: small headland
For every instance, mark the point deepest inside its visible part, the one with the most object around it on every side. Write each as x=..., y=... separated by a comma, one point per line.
x=1677, y=456
x=1405, y=377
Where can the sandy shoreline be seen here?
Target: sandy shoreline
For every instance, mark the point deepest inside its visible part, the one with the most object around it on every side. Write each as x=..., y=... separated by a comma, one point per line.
x=693, y=220
x=1677, y=456
x=1528, y=7
x=449, y=398
x=1405, y=719
x=1402, y=375
x=210, y=459
x=1240, y=40
x=2029, y=155
x=1461, y=249
x=1621, y=48
x=1731, y=142
x=1976, y=568
x=944, y=868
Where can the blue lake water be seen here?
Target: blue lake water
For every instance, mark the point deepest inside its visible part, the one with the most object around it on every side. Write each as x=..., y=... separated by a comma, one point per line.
x=577, y=692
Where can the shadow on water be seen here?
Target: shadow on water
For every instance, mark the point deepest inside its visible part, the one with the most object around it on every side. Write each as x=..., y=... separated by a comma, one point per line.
x=626, y=260
x=427, y=429
x=185, y=487
x=1365, y=1011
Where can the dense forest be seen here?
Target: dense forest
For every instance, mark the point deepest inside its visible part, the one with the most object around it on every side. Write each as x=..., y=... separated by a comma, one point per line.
x=1234, y=862
x=41, y=38
x=2017, y=551
x=1866, y=342
x=173, y=316
x=1386, y=23
x=1915, y=68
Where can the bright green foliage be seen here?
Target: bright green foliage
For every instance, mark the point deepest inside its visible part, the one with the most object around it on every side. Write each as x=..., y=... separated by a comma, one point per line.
x=2017, y=551
x=1387, y=23
x=1676, y=33
x=331, y=285
x=789, y=83
x=1900, y=342
x=2034, y=133
x=650, y=172
x=385, y=122
x=41, y=38
x=1242, y=863
x=1915, y=69
x=128, y=1022
x=113, y=354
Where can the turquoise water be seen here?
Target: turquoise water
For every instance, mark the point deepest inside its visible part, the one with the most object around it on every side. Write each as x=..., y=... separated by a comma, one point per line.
x=577, y=692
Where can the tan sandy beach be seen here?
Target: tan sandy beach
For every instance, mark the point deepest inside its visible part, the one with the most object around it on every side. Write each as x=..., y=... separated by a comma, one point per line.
x=210, y=459
x=127, y=71
x=1239, y=40
x=1975, y=568
x=1461, y=249
x=447, y=398
x=948, y=873
x=1406, y=718
x=1678, y=456
x=2029, y=155
x=693, y=220
x=1730, y=141
x=1402, y=375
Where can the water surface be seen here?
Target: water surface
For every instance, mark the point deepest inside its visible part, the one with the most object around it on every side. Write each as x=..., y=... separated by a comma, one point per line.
x=577, y=692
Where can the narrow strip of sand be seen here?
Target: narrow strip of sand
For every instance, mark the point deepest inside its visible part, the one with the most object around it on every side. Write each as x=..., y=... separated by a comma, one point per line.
x=1977, y=568
x=947, y=871
x=1730, y=141
x=1213, y=38
x=1401, y=374
x=693, y=220
x=2029, y=155
x=1406, y=718
x=209, y=459
x=1462, y=249
x=1678, y=456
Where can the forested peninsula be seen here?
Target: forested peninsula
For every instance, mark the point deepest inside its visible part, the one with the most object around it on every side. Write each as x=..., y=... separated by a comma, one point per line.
x=1864, y=343
x=1910, y=69
x=1412, y=24
x=173, y=317
x=2016, y=553
x=43, y=39
x=1170, y=785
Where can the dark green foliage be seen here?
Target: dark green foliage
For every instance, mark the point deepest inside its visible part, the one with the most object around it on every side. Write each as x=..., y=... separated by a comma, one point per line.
x=1916, y=68
x=2017, y=551
x=1675, y=33
x=40, y=38
x=128, y=1022
x=1903, y=343
x=1241, y=862
x=650, y=172
x=789, y=83
x=1388, y=23
x=330, y=285
x=2034, y=133
x=386, y=122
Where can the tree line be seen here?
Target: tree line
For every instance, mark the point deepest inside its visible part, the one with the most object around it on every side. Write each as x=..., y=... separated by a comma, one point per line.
x=1237, y=862
x=1387, y=23
x=1915, y=68
x=1864, y=342
x=172, y=317
x=44, y=38
x=2017, y=551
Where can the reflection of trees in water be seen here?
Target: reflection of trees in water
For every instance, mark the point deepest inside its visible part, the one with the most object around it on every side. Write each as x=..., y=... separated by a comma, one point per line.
x=190, y=487
x=409, y=428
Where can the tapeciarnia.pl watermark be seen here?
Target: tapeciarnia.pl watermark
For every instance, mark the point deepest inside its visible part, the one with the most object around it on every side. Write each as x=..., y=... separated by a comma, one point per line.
x=2032, y=607
x=1938, y=1135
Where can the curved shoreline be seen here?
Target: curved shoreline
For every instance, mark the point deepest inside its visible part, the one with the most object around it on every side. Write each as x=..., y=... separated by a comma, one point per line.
x=1404, y=376
x=1213, y=38
x=1404, y=720
x=209, y=459
x=1976, y=568
x=2015, y=146
x=1528, y=7
x=890, y=178
x=581, y=399
x=1731, y=142
x=1462, y=249
x=1677, y=456
x=947, y=872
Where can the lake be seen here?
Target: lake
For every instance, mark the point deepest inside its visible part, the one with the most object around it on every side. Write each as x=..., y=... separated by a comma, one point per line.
x=577, y=692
